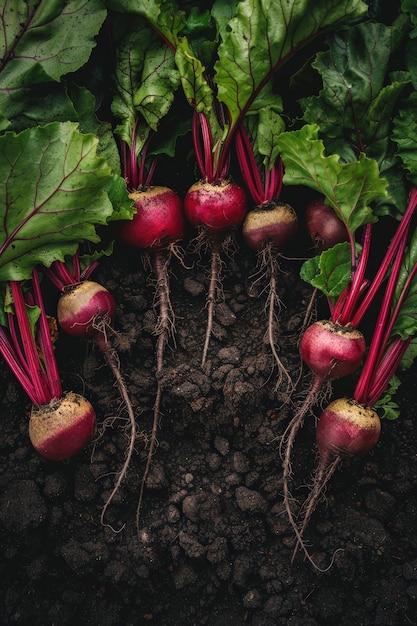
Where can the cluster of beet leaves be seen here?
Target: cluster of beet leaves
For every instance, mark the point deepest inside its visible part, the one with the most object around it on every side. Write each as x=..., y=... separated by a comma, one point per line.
x=176, y=90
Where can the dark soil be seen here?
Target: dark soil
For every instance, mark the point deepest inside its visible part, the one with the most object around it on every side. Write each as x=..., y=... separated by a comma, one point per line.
x=214, y=546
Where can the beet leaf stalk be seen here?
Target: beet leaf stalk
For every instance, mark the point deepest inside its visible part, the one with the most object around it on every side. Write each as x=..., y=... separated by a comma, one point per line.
x=60, y=425
x=268, y=227
x=351, y=426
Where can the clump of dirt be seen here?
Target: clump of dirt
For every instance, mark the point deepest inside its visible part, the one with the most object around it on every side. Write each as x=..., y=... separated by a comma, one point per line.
x=214, y=546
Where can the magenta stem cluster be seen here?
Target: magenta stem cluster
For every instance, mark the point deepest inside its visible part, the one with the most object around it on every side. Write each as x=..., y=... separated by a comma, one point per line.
x=355, y=300
x=212, y=163
x=62, y=276
x=29, y=353
x=134, y=164
x=262, y=189
x=386, y=352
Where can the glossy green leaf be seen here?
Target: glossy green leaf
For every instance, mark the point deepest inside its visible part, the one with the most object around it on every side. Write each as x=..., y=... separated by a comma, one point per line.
x=52, y=196
x=386, y=406
x=146, y=79
x=41, y=41
x=405, y=135
x=162, y=14
x=349, y=188
x=260, y=38
x=355, y=106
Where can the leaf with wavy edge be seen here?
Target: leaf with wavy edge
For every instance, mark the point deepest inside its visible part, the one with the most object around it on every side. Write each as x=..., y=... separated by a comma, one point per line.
x=260, y=38
x=52, y=196
x=41, y=41
x=349, y=188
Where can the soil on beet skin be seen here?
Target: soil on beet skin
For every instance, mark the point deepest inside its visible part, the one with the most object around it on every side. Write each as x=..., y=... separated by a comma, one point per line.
x=214, y=546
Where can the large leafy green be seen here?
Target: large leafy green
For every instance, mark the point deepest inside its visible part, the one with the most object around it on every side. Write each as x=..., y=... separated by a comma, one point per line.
x=349, y=188
x=355, y=106
x=84, y=105
x=405, y=135
x=162, y=14
x=52, y=196
x=41, y=41
x=410, y=7
x=146, y=79
x=256, y=37
x=262, y=35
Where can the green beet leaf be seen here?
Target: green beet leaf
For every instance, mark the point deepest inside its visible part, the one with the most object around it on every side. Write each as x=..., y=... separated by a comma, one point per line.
x=52, y=196
x=405, y=135
x=162, y=14
x=386, y=406
x=40, y=42
x=146, y=80
x=260, y=38
x=349, y=188
x=355, y=106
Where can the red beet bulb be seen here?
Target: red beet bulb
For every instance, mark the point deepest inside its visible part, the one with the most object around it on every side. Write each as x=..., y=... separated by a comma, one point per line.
x=63, y=427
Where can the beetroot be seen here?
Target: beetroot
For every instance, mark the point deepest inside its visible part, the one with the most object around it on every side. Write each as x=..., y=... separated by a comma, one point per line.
x=87, y=310
x=217, y=206
x=331, y=350
x=158, y=221
x=323, y=225
x=267, y=229
x=83, y=308
x=346, y=427
x=273, y=223
x=156, y=228
x=60, y=425
x=63, y=427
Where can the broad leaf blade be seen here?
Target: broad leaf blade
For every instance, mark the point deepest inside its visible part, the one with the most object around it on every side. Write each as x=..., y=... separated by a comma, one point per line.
x=355, y=106
x=146, y=79
x=160, y=13
x=196, y=88
x=51, y=196
x=353, y=77
x=405, y=136
x=262, y=35
x=84, y=104
x=42, y=41
x=159, y=81
x=349, y=188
